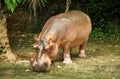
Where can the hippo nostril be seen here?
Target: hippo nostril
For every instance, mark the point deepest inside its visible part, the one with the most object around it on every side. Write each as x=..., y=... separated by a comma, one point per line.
x=45, y=65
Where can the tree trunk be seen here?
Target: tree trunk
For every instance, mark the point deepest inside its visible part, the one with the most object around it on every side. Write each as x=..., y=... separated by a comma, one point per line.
x=5, y=50
x=67, y=5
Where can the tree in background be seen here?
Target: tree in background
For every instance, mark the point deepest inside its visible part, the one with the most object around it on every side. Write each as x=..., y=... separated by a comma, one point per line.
x=67, y=5
x=4, y=41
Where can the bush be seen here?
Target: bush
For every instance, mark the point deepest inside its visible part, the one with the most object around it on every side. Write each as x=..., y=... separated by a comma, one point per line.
x=102, y=13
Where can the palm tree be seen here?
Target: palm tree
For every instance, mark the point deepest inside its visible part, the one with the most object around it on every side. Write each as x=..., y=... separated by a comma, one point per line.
x=4, y=41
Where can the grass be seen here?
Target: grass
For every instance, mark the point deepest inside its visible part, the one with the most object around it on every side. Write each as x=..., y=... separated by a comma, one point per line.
x=102, y=62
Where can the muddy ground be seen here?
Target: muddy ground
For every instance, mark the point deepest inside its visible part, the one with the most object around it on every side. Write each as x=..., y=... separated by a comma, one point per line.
x=102, y=61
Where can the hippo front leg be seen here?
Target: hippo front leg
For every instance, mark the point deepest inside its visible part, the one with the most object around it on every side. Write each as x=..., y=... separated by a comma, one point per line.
x=82, y=50
x=67, y=58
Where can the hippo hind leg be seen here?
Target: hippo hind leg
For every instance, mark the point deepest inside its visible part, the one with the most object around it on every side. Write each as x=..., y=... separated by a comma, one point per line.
x=82, y=50
x=67, y=58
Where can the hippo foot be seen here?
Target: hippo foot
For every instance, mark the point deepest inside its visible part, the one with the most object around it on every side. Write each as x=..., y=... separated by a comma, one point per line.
x=67, y=61
x=82, y=56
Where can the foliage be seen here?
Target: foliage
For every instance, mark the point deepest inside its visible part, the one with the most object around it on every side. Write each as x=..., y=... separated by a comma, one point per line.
x=34, y=4
x=38, y=3
x=97, y=33
x=110, y=32
x=102, y=13
x=12, y=4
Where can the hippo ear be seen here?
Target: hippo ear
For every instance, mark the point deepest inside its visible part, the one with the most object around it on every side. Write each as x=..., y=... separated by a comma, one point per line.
x=37, y=42
x=36, y=39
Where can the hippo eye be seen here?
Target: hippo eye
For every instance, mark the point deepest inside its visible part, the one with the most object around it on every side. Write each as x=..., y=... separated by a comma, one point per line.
x=45, y=43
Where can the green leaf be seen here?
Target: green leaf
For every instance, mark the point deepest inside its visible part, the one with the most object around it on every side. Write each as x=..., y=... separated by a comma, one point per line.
x=12, y=4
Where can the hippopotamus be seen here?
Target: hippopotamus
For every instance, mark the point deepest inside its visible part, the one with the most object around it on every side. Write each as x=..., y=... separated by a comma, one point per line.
x=66, y=31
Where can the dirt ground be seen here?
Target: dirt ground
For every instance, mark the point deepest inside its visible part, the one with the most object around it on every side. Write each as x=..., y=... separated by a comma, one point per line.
x=102, y=61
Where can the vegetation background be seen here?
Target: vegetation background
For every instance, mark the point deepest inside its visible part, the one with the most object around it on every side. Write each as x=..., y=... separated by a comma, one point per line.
x=105, y=14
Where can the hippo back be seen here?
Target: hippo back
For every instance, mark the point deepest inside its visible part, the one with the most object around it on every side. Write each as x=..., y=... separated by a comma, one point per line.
x=73, y=26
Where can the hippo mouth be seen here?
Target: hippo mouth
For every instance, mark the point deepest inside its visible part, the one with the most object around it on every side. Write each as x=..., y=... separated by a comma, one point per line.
x=41, y=68
x=40, y=65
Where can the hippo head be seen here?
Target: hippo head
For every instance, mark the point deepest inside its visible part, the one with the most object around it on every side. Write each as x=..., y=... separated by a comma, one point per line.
x=44, y=50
